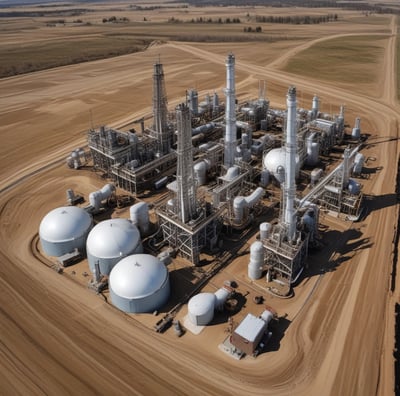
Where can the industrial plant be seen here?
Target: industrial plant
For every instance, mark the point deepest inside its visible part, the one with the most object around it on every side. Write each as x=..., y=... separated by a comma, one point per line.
x=200, y=174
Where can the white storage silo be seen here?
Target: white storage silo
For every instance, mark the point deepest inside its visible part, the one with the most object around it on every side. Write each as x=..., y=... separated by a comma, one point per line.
x=110, y=241
x=139, y=283
x=201, y=309
x=139, y=214
x=221, y=295
x=64, y=229
x=256, y=262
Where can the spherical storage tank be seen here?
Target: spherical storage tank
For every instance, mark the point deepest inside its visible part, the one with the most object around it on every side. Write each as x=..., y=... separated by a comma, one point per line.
x=201, y=309
x=275, y=161
x=139, y=283
x=110, y=241
x=64, y=229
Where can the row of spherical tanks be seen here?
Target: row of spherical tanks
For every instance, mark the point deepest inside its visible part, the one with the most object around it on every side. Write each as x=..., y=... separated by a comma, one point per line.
x=137, y=282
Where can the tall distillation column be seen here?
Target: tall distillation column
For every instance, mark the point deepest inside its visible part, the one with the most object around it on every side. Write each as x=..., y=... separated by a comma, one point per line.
x=160, y=111
x=290, y=164
x=185, y=173
x=230, y=113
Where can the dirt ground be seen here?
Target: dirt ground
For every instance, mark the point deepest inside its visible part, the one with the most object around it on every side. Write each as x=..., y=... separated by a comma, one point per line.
x=59, y=338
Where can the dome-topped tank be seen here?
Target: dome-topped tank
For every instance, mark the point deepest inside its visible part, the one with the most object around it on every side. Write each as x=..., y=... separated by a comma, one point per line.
x=275, y=160
x=201, y=308
x=64, y=229
x=110, y=241
x=139, y=283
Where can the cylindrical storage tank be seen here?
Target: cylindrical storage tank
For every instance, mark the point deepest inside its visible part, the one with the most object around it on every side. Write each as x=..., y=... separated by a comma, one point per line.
x=139, y=214
x=264, y=125
x=316, y=175
x=139, y=283
x=265, y=230
x=221, y=295
x=312, y=153
x=354, y=187
x=245, y=140
x=200, y=173
x=358, y=163
x=239, y=205
x=201, y=309
x=110, y=241
x=64, y=229
x=355, y=133
x=256, y=260
x=264, y=179
x=267, y=316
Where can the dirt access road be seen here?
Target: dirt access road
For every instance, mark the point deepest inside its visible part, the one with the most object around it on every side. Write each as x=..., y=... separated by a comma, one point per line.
x=57, y=338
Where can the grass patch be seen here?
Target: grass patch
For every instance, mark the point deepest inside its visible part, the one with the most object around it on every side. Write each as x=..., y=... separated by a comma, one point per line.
x=34, y=56
x=349, y=60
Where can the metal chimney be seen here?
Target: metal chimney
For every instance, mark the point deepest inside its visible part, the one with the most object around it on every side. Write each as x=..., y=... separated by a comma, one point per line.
x=185, y=173
x=290, y=164
x=230, y=113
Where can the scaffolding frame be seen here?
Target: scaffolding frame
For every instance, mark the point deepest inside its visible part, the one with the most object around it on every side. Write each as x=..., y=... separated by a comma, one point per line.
x=192, y=238
x=286, y=258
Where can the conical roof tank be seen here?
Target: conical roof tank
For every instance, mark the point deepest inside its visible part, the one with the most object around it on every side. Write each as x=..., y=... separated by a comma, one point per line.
x=110, y=241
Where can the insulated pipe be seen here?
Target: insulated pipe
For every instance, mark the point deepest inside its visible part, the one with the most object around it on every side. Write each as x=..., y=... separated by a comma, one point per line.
x=96, y=197
x=241, y=203
x=290, y=161
x=254, y=197
x=230, y=113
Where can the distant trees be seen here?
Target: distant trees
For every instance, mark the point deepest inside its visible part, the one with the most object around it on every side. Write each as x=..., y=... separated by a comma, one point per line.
x=297, y=19
x=114, y=19
x=249, y=29
x=206, y=20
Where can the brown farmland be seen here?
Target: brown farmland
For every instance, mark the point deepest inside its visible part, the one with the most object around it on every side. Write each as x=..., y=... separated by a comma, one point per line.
x=59, y=338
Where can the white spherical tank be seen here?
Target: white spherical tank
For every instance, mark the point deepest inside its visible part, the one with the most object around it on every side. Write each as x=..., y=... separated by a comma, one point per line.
x=64, y=229
x=201, y=309
x=139, y=283
x=275, y=160
x=110, y=241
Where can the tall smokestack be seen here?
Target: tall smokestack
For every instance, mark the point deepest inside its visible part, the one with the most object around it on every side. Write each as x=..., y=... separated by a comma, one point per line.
x=230, y=113
x=185, y=173
x=160, y=110
x=290, y=168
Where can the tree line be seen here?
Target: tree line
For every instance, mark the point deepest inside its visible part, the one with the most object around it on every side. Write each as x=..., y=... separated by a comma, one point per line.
x=206, y=20
x=297, y=19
